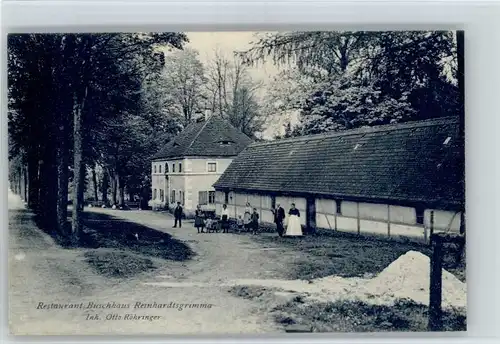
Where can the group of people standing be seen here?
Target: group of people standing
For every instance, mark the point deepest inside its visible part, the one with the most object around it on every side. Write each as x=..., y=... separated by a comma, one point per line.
x=293, y=228
x=249, y=222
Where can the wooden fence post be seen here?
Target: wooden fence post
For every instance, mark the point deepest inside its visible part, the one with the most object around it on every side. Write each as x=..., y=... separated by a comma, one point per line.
x=358, y=219
x=435, y=288
x=431, y=226
x=335, y=213
x=388, y=220
x=462, y=222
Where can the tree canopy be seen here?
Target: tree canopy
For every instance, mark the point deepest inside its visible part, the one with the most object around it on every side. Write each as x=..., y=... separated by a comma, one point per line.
x=344, y=80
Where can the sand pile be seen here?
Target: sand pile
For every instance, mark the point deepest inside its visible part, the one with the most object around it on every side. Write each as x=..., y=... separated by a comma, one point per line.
x=408, y=277
x=405, y=278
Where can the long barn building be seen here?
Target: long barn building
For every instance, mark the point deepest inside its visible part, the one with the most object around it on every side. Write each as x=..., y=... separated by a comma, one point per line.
x=395, y=180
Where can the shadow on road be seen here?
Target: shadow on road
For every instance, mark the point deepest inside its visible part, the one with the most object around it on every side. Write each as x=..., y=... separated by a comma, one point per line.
x=105, y=231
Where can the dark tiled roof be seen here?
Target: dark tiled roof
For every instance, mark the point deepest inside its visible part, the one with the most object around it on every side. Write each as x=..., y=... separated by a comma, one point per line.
x=206, y=139
x=403, y=162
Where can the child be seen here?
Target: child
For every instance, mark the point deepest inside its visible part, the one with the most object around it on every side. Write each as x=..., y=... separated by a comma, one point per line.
x=208, y=224
x=255, y=221
x=239, y=223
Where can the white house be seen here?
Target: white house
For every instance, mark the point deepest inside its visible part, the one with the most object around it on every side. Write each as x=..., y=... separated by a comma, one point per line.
x=394, y=180
x=187, y=167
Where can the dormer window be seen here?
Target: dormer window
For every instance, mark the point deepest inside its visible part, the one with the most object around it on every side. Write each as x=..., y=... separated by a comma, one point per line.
x=225, y=142
x=175, y=144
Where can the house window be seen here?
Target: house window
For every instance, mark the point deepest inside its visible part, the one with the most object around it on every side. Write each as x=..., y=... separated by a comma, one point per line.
x=212, y=167
x=181, y=197
x=159, y=168
x=173, y=167
x=273, y=202
x=172, y=196
x=203, y=197
x=180, y=167
x=420, y=215
x=166, y=168
x=154, y=168
x=226, y=197
x=161, y=195
x=154, y=193
x=211, y=197
x=339, y=207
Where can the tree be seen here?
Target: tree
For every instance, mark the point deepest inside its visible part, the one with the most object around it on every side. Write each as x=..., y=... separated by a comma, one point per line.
x=182, y=79
x=409, y=74
x=232, y=94
x=64, y=90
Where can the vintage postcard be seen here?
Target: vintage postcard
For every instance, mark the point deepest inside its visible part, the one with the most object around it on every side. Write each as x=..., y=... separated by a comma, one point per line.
x=236, y=182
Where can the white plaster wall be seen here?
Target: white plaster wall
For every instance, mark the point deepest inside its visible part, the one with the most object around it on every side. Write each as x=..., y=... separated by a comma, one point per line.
x=373, y=211
x=403, y=214
x=408, y=231
x=349, y=209
x=443, y=219
x=199, y=165
x=373, y=227
x=326, y=221
x=347, y=224
x=326, y=206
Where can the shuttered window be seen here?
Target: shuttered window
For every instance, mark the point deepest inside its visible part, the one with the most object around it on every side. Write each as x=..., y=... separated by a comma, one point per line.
x=203, y=197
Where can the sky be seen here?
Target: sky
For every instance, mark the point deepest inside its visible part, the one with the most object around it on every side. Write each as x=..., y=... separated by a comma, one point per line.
x=207, y=43
x=228, y=42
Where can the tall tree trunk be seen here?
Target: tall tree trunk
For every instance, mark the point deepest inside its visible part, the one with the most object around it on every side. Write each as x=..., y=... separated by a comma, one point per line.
x=32, y=179
x=47, y=210
x=25, y=174
x=105, y=184
x=81, y=187
x=62, y=177
x=96, y=187
x=19, y=181
x=119, y=188
x=77, y=168
x=113, y=190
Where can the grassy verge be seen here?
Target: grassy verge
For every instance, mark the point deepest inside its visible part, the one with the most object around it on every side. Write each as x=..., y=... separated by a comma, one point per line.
x=112, y=263
x=118, y=248
x=347, y=255
x=346, y=316
x=356, y=316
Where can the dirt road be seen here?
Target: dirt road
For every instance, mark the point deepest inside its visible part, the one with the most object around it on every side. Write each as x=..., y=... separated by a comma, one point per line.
x=43, y=276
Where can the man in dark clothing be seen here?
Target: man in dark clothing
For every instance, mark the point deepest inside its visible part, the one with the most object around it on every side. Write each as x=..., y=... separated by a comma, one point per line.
x=279, y=217
x=255, y=221
x=178, y=215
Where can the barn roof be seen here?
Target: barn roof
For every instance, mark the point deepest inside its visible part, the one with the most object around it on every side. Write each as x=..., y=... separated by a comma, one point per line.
x=213, y=137
x=412, y=162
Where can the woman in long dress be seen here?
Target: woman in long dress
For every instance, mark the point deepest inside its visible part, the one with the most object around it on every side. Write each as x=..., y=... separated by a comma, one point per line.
x=294, y=228
x=199, y=222
x=247, y=217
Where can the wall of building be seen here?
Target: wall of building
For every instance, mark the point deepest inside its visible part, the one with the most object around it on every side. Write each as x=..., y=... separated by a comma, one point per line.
x=263, y=203
x=193, y=178
x=355, y=217
x=382, y=219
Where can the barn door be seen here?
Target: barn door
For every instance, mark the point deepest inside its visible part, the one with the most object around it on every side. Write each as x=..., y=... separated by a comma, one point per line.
x=311, y=215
